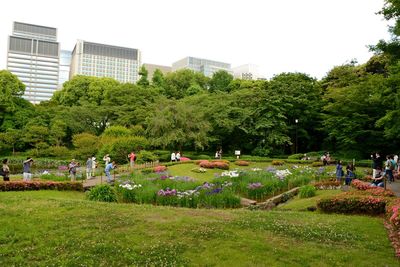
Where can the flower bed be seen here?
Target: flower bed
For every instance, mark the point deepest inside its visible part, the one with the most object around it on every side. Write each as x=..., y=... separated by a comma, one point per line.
x=214, y=164
x=353, y=203
x=242, y=163
x=392, y=224
x=160, y=168
x=327, y=185
x=40, y=185
x=360, y=185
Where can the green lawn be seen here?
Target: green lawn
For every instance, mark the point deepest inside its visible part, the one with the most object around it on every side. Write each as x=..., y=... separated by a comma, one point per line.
x=51, y=228
x=301, y=204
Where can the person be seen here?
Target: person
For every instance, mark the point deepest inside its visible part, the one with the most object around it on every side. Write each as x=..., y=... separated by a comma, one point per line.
x=89, y=168
x=350, y=173
x=376, y=164
x=27, y=176
x=72, y=169
x=178, y=156
x=94, y=166
x=173, y=156
x=379, y=179
x=328, y=158
x=217, y=154
x=389, y=167
x=339, y=171
x=220, y=153
x=323, y=158
x=108, y=169
x=5, y=170
x=106, y=159
x=132, y=158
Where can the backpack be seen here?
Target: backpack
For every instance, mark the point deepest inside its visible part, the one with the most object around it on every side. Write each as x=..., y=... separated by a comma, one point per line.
x=392, y=165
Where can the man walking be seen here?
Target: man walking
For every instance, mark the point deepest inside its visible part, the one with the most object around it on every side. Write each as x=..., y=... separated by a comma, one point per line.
x=132, y=158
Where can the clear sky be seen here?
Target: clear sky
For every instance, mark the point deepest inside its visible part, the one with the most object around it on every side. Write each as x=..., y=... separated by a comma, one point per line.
x=309, y=36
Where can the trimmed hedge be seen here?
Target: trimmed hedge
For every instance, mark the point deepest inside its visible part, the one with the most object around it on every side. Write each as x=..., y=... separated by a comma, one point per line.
x=39, y=185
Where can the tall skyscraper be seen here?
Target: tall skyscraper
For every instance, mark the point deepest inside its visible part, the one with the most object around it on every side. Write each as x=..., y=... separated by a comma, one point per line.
x=205, y=66
x=100, y=60
x=65, y=63
x=33, y=55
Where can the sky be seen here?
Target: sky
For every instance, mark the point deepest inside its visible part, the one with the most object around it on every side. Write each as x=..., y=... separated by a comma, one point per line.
x=309, y=36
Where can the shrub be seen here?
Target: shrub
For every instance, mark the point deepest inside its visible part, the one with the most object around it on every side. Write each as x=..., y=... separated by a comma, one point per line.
x=296, y=156
x=85, y=144
x=120, y=147
x=307, y=191
x=198, y=170
x=348, y=203
x=39, y=185
x=145, y=156
x=103, y=193
x=317, y=164
x=277, y=162
x=55, y=151
x=360, y=185
x=117, y=131
x=159, y=169
x=242, y=163
x=214, y=164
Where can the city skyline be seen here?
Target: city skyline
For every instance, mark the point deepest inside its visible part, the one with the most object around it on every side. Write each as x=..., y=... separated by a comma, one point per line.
x=278, y=36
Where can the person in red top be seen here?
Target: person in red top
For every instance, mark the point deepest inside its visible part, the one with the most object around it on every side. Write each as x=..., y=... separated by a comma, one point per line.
x=132, y=158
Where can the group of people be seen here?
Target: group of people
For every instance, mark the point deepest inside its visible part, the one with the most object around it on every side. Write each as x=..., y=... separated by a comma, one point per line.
x=350, y=172
x=379, y=173
x=218, y=154
x=26, y=165
x=91, y=165
x=175, y=156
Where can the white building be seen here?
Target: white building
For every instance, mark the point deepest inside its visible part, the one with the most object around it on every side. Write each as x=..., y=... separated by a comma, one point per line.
x=65, y=65
x=33, y=55
x=247, y=72
x=205, y=66
x=100, y=60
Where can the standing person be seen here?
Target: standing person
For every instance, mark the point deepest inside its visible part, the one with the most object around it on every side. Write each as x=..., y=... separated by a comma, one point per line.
x=72, y=169
x=349, y=173
x=132, y=158
x=94, y=166
x=217, y=154
x=88, y=168
x=328, y=158
x=389, y=167
x=376, y=164
x=178, y=156
x=108, y=169
x=106, y=159
x=339, y=171
x=27, y=176
x=5, y=170
x=173, y=156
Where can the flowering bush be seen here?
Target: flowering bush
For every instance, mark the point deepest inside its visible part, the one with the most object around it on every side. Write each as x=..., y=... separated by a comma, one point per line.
x=348, y=203
x=393, y=224
x=214, y=164
x=281, y=174
x=242, y=163
x=379, y=191
x=360, y=185
x=167, y=192
x=40, y=185
x=160, y=168
x=253, y=186
x=277, y=162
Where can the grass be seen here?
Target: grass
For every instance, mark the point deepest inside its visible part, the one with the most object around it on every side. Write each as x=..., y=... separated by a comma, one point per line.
x=301, y=204
x=52, y=228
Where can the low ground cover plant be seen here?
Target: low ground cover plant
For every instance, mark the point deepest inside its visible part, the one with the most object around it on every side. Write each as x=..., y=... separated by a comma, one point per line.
x=40, y=185
x=307, y=191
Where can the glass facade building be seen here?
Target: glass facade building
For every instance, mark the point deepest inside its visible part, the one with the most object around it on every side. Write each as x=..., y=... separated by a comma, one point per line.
x=33, y=55
x=100, y=60
x=205, y=66
x=65, y=63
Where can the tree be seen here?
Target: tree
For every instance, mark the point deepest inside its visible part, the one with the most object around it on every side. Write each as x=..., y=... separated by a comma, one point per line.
x=143, y=81
x=220, y=81
x=177, y=83
x=11, y=88
x=85, y=144
x=158, y=79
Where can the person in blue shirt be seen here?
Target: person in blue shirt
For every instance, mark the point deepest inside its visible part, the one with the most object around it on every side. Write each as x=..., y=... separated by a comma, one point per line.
x=108, y=168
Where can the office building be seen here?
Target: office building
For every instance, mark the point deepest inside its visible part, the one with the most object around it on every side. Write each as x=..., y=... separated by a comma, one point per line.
x=205, y=66
x=33, y=55
x=247, y=72
x=100, y=60
x=65, y=63
x=151, y=68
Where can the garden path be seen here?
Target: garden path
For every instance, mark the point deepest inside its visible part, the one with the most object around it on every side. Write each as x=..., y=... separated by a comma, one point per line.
x=395, y=187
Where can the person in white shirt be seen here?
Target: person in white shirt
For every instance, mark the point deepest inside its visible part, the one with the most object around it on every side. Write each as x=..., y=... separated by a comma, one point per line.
x=178, y=156
x=173, y=157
